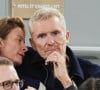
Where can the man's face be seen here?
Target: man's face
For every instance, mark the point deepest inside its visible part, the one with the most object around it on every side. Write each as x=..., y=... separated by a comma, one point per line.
x=49, y=36
x=8, y=73
x=13, y=47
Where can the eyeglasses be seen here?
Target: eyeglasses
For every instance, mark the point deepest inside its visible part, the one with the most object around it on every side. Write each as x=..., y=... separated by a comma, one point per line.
x=7, y=85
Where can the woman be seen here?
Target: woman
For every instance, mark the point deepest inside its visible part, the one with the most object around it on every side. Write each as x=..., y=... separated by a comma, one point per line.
x=12, y=40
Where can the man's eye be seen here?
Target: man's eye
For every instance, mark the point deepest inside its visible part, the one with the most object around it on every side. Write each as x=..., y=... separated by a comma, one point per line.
x=56, y=33
x=41, y=36
x=7, y=83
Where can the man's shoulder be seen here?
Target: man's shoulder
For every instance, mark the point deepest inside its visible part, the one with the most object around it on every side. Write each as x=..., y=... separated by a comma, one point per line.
x=32, y=56
x=29, y=55
x=30, y=50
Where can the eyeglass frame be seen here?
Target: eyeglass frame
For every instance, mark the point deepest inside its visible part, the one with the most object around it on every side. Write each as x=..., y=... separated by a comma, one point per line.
x=7, y=85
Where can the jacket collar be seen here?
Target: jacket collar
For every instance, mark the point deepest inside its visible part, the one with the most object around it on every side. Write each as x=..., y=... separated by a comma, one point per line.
x=74, y=64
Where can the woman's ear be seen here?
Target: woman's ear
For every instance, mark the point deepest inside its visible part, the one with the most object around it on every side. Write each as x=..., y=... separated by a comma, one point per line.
x=1, y=42
x=32, y=44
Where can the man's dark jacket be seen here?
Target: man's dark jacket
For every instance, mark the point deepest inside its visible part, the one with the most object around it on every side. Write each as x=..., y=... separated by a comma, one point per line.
x=33, y=70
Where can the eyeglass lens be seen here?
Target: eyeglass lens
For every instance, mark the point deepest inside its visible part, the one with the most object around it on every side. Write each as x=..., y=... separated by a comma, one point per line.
x=7, y=85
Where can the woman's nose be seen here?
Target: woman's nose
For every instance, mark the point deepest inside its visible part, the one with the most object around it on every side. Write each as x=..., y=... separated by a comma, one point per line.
x=24, y=48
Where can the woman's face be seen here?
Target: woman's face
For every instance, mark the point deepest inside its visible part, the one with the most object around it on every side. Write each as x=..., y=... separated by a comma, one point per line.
x=13, y=47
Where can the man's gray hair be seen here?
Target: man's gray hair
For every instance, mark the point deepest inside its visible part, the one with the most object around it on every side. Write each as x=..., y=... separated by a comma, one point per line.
x=46, y=13
x=5, y=61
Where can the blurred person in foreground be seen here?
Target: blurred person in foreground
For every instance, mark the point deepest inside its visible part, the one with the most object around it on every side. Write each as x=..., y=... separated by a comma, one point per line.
x=90, y=84
x=51, y=60
x=9, y=79
x=12, y=40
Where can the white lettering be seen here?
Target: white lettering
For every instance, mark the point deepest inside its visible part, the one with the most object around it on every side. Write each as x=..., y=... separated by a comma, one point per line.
x=36, y=6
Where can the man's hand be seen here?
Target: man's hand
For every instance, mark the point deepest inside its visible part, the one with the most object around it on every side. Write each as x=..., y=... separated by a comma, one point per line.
x=60, y=68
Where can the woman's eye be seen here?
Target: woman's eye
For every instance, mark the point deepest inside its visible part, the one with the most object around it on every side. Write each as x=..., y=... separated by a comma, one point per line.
x=19, y=40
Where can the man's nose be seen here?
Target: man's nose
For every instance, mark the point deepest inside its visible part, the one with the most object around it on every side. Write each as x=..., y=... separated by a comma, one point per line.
x=15, y=87
x=50, y=40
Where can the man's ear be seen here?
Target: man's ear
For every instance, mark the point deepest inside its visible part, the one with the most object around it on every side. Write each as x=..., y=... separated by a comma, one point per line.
x=32, y=44
x=67, y=36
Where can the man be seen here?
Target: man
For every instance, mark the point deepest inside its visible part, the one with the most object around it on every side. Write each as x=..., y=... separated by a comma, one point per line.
x=91, y=84
x=51, y=61
x=9, y=79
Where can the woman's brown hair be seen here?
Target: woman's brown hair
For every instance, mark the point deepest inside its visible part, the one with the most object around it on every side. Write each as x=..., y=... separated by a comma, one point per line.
x=9, y=23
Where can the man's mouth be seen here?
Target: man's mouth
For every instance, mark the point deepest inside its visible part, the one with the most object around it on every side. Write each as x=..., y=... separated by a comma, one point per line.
x=51, y=50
